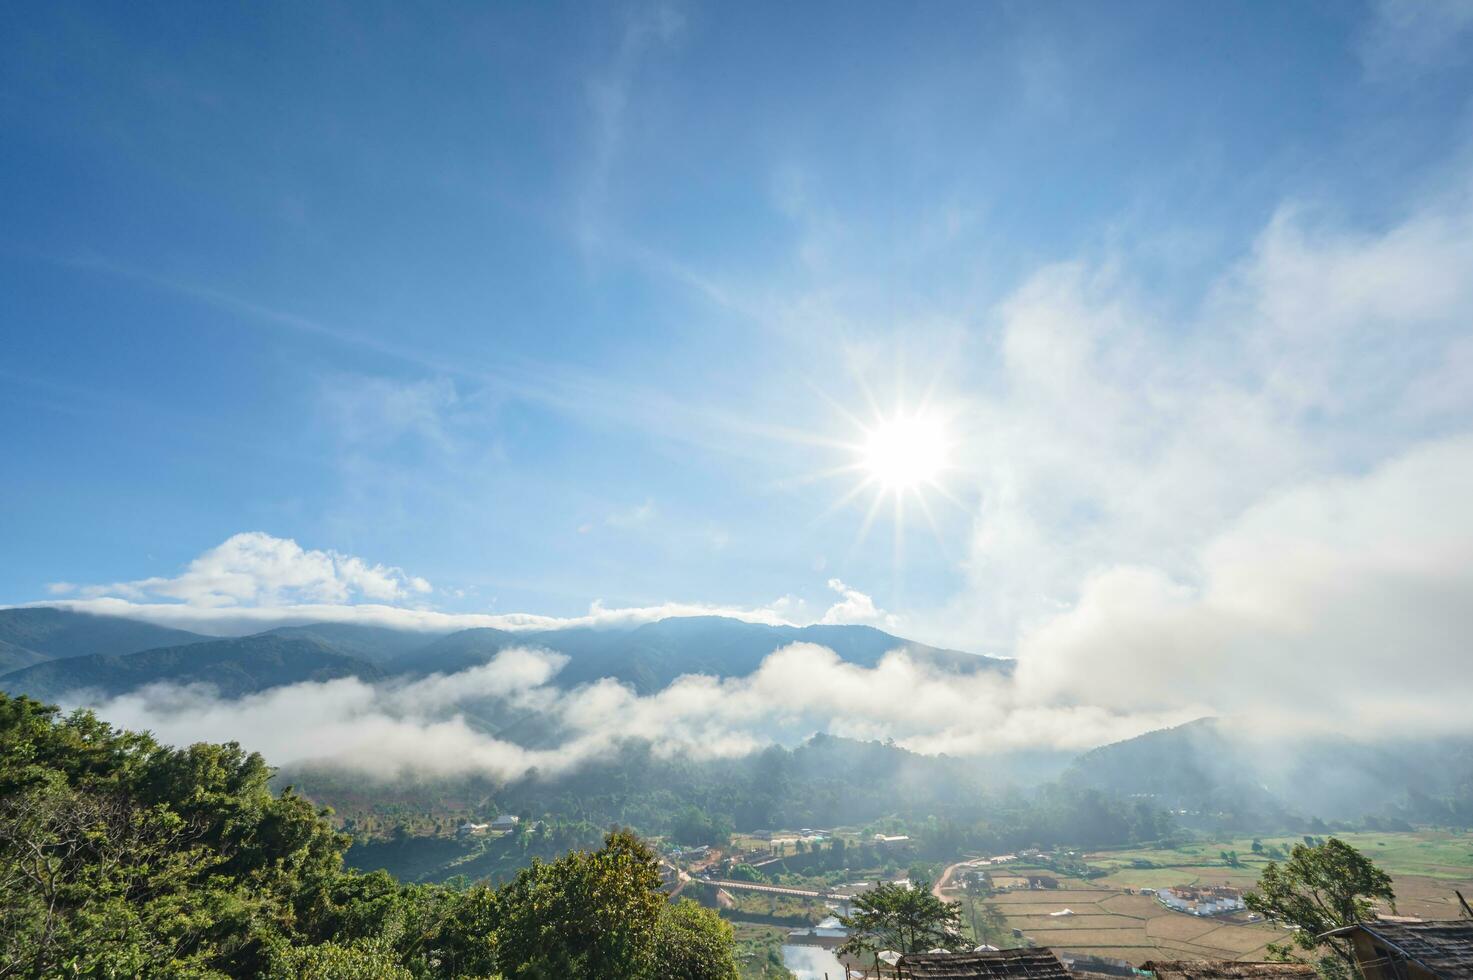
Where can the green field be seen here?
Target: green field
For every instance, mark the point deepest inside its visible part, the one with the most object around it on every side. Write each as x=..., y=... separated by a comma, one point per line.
x=1431, y=854
x=1425, y=865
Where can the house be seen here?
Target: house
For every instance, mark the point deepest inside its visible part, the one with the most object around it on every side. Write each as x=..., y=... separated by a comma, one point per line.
x=1402, y=949
x=887, y=840
x=505, y=823
x=1001, y=964
x=1228, y=970
x=1207, y=900
x=468, y=828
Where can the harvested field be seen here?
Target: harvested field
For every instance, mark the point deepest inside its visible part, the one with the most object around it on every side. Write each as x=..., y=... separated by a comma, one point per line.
x=1022, y=909
x=1141, y=906
x=1082, y=939
x=1107, y=922
x=1236, y=938
x=1056, y=898
x=1042, y=923
x=1182, y=928
x=1425, y=866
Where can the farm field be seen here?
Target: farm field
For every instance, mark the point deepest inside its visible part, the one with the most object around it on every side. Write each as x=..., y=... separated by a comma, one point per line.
x=1108, y=922
x=1425, y=867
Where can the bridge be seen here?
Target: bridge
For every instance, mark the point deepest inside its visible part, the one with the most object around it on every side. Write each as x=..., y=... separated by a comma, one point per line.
x=754, y=886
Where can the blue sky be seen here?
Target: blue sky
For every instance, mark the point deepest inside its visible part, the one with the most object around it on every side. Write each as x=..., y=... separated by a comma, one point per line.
x=546, y=305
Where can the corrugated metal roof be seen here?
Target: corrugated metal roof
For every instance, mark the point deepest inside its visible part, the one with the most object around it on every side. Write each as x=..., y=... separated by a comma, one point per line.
x=1444, y=948
x=1228, y=970
x=1022, y=964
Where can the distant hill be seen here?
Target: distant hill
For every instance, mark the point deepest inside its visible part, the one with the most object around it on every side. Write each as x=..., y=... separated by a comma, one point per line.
x=13, y=657
x=234, y=667
x=33, y=635
x=650, y=656
x=376, y=644
x=458, y=651
x=1233, y=776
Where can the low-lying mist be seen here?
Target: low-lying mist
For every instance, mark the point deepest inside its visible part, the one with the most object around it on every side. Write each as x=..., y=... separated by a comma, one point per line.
x=436, y=726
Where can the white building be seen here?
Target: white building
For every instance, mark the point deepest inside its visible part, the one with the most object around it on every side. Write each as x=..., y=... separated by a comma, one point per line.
x=505, y=822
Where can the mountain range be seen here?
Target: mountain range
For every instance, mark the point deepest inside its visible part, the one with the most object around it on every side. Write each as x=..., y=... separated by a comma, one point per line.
x=55, y=653
x=1218, y=773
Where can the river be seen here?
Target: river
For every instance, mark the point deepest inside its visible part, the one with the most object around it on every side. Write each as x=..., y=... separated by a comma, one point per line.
x=812, y=962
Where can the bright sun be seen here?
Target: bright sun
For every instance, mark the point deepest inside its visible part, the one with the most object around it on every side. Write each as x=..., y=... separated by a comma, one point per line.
x=905, y=452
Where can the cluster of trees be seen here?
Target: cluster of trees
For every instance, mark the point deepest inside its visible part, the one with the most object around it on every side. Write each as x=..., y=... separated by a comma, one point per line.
x=123, y=857
x=945, y=805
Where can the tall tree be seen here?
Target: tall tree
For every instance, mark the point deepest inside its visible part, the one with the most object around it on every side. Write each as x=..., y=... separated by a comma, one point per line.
x=693, y=943
x=906, y=919
x=1320, y=888
x=588, y=914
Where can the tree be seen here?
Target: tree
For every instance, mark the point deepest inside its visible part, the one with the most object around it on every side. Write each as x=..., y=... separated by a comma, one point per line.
x=694, y=943
x=588, y=914
x=904, y=919
x=122, y=857
x=1318, y=889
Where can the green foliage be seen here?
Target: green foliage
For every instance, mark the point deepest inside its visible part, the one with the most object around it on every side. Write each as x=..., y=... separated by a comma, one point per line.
x=122, y=857
x=745, y=872
x=601, y=914
x=695, y=826
x=905, y=919
x=944, y=804
x=693, y=943
x=586, y=914
x=1321, y=887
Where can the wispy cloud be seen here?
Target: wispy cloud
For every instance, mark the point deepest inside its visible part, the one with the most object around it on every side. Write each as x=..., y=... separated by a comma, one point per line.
x=609, y=93
x=1407, y=38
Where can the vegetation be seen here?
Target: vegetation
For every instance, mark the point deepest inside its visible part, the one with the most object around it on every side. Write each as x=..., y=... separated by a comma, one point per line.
x=906, y=919
x=945, y=806
x=1321, y=887
x=123, y=857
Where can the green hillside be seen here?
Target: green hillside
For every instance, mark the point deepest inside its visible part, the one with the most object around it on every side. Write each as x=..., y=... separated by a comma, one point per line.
x=233, y=667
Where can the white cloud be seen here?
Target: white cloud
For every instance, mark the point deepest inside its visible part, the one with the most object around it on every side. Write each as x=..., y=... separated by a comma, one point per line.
x=1342, y=603
x=256, y=569
x=233, y=620
x=856, y=607
x=395, y=729
x=1118, y=434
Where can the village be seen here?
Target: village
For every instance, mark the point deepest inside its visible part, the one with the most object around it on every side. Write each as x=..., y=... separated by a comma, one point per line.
x=1033, y=913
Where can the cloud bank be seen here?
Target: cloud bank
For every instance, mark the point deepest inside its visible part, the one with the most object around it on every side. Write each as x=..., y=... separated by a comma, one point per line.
x=255, y=581
x=419, y=729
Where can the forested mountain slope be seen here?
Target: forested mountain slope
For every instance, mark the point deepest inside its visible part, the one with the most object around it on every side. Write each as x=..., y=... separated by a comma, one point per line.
x=33, y=634
x=233, y=667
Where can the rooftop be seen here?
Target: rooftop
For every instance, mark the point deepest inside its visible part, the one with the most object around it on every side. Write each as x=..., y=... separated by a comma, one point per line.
x=1228, y=970
x=1444, y=948
x=1032, y=964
